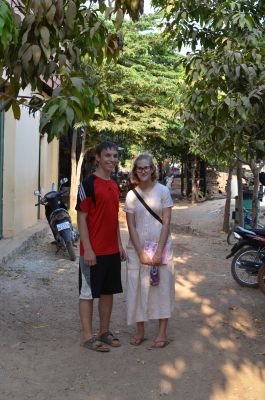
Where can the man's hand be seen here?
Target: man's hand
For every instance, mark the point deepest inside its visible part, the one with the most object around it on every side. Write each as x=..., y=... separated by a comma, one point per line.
x=90, y=257
x=122, y=253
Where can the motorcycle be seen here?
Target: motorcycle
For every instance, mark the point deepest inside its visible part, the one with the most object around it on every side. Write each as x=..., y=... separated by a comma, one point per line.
x=261, y=278
x=59, y=219
x=249, y=255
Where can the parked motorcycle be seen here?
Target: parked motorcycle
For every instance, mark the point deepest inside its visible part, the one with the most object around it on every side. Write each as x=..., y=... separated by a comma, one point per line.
x=249, y=255
x=261, y=278
x=59, y=219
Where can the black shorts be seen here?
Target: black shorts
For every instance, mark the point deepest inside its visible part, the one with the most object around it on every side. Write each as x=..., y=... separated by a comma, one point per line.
x=102, y=278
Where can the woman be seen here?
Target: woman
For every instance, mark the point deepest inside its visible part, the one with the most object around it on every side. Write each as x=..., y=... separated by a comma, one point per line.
x=144, y=301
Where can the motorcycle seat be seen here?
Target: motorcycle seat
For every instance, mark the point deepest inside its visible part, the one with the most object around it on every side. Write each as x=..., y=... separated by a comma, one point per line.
x=259, y=231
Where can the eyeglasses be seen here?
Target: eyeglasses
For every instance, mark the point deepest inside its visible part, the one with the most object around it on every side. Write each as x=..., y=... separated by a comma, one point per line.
x=143, y=169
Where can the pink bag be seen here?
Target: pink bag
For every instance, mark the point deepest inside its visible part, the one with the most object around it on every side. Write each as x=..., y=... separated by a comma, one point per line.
x=150, y=249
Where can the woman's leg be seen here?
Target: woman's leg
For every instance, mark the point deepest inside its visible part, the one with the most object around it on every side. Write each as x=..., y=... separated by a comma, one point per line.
x=139, y=337
x=161, y=339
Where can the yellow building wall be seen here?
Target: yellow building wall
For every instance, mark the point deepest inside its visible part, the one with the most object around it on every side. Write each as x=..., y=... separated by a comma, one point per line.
x=21, y=171
x=49, y=156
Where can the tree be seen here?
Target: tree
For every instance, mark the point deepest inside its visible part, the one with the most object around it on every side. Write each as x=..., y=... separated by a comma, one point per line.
x=47, y=41
x=225, y=71
x=142, y=85
x=45, y=44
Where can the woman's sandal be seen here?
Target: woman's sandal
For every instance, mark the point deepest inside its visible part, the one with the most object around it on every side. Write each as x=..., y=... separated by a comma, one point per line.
x=108, y=338
x=96, y=345
x=160, y=344
x=137, y=340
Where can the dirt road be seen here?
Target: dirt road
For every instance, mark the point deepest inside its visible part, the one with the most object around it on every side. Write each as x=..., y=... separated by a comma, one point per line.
x=217, y=333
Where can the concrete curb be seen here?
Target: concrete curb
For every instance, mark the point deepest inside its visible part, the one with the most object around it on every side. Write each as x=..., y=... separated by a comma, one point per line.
x=10, y=248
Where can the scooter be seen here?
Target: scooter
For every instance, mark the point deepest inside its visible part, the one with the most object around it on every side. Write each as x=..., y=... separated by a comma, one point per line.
x=261, y=278
x=59, y=219
x=249, y=255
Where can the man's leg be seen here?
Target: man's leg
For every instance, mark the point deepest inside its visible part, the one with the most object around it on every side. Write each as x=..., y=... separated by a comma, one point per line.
x=105, y=308
x=86, y=314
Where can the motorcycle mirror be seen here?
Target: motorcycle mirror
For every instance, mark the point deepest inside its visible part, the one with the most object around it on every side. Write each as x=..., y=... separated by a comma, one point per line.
x=63, y=180
x=36, y=192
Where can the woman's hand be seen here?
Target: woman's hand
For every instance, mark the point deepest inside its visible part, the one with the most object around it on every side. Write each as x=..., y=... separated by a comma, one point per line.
x=144, y=259
x=157, y=259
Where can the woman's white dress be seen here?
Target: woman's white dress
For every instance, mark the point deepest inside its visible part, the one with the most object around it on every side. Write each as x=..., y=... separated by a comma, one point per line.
x=144, y=301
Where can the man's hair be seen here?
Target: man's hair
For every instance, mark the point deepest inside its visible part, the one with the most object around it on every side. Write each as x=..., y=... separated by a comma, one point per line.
x=106, y=144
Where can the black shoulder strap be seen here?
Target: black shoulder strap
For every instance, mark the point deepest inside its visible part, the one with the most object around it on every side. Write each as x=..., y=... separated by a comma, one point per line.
x=147, y=206
x=91, y=190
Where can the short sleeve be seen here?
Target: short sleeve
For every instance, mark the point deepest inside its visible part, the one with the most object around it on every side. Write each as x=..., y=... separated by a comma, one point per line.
x=82, y=203
x=166, y=198
x=130, y=200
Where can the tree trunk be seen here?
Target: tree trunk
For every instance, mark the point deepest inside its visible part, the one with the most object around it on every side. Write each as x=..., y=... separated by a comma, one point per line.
x=182, y=179
x=255, y=199
x=193, y=180
x=186, y=177
x=76, y=167
x=240, y=192
x=73, y=172
x=228, y=198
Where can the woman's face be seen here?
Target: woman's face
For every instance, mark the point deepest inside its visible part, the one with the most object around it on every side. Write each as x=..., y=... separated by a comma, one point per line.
x=144, y=170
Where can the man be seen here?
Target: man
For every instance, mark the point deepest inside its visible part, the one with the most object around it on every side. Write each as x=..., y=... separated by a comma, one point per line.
x=101, y=249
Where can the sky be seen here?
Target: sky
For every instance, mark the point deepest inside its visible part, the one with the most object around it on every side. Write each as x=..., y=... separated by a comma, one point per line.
x=147, y=6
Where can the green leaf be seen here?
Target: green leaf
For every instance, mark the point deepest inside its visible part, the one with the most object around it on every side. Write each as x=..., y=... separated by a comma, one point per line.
x=36, y=51
x=46, y=51
x=16, y=110
x=119, y=18
x=70, y=116
x=51, y=110
x=45, y=36
x=51, y=14
x=78, y=83
x=70, y=15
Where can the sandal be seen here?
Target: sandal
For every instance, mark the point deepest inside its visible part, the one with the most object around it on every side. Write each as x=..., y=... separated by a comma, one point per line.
x=96, y=345
x=136, y=340
x=108, y=338
x=160, y=344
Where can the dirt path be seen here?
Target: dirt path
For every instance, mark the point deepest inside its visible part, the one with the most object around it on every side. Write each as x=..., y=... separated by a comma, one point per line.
x=217, y=348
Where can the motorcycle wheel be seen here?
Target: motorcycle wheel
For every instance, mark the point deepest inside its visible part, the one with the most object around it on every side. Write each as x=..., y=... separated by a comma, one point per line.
x=71, y=251
x=240, y=275
x=261, y=279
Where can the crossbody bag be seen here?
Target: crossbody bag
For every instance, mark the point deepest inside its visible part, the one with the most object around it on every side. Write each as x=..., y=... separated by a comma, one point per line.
x=147, y=206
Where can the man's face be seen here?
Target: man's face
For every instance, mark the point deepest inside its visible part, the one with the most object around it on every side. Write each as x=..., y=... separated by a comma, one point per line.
x=108, y=159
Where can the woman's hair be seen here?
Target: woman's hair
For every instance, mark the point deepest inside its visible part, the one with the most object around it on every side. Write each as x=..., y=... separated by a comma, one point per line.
x=148, y=157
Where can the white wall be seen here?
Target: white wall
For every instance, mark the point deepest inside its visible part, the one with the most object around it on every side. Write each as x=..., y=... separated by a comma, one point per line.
x=26, y=169
x=21, y=170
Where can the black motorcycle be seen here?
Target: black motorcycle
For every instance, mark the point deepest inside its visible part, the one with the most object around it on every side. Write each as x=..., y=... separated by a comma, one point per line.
x=59, y=219
x=261, y=278
x=249, y=255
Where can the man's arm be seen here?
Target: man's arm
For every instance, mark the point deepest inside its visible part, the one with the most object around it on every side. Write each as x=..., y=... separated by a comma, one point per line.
x=89, y=255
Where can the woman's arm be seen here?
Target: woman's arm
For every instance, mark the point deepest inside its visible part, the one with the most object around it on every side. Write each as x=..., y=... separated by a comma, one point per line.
x=144, y=259
x=166, y=218
x=121, y=249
